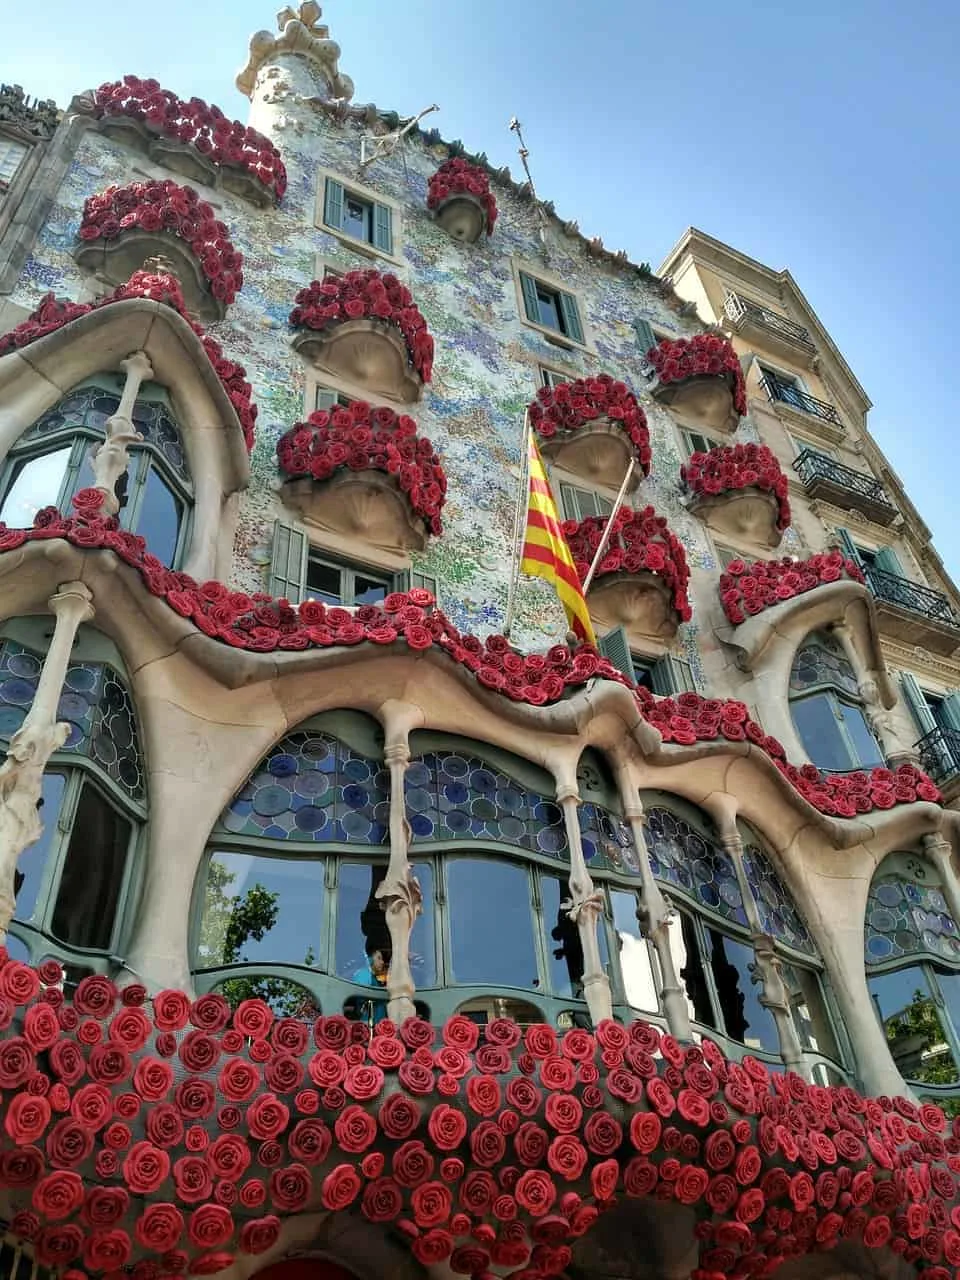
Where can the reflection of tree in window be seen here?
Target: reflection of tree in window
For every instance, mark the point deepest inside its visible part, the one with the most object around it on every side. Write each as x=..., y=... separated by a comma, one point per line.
x=693, y=975
x=918, y=1042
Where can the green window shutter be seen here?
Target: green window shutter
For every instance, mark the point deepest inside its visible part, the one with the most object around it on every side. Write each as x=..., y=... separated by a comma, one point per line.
x=848, y=545
x=887, y=562
x=672, y=676
x=645, y=335
x=531, y=302
x=571, y=316
x=383, y=228
x=913, y=697
x=950, y=710
x=333, y=204
x=288, y=563
x=615, y=646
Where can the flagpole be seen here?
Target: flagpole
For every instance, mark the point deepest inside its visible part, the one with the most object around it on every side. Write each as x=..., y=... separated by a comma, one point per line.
x=608, y=527
x=520, y=509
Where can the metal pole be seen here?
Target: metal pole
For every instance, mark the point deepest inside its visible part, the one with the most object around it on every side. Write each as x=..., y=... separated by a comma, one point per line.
x=522, y=497
x=609, y=526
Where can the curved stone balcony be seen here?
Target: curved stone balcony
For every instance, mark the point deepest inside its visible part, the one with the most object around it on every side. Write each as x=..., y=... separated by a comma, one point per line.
x=702, y=377
x=460, y=199
x=739, y=491
x=592, y=427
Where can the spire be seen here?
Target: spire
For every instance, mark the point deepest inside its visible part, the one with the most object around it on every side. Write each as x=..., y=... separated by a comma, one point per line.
x=301, y=33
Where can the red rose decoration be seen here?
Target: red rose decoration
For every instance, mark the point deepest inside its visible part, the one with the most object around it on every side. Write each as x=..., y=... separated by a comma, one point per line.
x=58, y=1195
x=340, y=1188
x=645, y=538
x=159, y=1227
x=26, y=1118
x=171, y=1010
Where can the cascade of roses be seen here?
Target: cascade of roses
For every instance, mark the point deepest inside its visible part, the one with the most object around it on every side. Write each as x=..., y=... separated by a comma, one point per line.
x=361, y=438
x=747, y=589
x=53, y=313
x=705, y=354
x=359, y=294
x=738, y=466
x=640, y=541
x=173, y=1136
x=690, y=718
x=196, y=124
x=459, y=177
x=564, y=408
x=168, y=207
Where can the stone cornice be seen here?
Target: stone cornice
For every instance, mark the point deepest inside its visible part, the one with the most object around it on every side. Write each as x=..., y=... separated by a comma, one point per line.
x=918, y=659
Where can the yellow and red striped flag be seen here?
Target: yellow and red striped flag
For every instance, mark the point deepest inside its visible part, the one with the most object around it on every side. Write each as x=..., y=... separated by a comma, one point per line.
x=545, y=552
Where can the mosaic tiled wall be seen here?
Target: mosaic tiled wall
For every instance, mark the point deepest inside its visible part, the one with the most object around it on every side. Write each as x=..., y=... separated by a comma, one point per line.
x=486, y=366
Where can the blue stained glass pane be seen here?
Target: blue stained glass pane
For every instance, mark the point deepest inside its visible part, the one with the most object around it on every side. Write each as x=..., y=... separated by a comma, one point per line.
x=283, y=766
x=907, y=919
x=700, y=870
x=610, y=837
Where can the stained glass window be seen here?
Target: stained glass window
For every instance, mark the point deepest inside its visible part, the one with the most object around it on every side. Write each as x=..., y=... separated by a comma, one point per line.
x=778, y=915
x=453, y=797
x=95, y=704
x=311, y=786
x=607, y=840
x=906, y=919
x=821, y=661
x=699, y=869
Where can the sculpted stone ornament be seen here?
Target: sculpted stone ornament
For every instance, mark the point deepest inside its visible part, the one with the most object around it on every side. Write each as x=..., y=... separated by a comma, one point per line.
x=112, y=458
x=585, y=907
x=40, y=735
x=301, y=32
x=399, y=893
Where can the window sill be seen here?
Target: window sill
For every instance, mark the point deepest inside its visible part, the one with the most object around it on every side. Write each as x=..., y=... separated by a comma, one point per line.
x=555, y=337
x=361, y=247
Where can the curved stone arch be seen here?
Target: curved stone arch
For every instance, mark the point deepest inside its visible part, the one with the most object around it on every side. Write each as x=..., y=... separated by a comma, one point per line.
x=34, y=378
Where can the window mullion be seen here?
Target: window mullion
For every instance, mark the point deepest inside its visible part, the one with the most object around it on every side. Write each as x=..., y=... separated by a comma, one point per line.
x=47, y=893
x=136, y=488
x=326, y=949
x=71, y=475
x=706, y=961
x=539, y=930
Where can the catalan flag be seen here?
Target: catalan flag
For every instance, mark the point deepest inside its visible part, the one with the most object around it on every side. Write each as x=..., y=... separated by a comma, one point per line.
x=545, y=552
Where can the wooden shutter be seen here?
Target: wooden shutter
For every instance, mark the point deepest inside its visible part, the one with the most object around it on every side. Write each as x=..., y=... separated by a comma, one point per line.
x=288, y=562
x=531, y=303
x=645, y=335
x=570, y=313
x=887, y=562
x=849, y=546
x=333, y=204
x=672, y=675
x=913, y=697
x=383, y=228
x=616, y=647
x=950, y=710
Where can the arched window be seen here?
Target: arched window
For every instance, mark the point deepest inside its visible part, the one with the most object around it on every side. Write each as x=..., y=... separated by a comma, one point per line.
x=711, y=941
x=828, y=710
x=912, y=955
x=53, y=460
x=73, y=884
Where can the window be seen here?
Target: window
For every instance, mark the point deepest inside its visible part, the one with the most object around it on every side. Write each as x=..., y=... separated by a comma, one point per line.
x=578, y=503
x=54, y=459
x=828, y=710
x=553, y=377
x=338, y=583
x=664, y=675
x=358, y=215
x=805, y=446
x=328, y=398
x=697, y=442
x=912, y=956
x=790, y=389
x=12, y=155
x=551, y=308
x=70, y=884
x=299, y=571
x=725, y=555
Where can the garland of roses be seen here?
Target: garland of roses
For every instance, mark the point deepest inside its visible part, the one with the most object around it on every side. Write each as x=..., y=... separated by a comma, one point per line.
x=359, y=294
x=705, y=354
x=738, y=466
x=179, y=211
x=748, y=589
x=639, y=541
x=262, y=624
x=459, y=177
x=53, y=313
x=197, y=124
x=566, y=407
x=361, y=438
x=498, y=1149
x=690, y=718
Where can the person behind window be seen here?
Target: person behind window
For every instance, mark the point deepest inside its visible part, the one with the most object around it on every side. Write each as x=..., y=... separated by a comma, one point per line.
x=374, y=974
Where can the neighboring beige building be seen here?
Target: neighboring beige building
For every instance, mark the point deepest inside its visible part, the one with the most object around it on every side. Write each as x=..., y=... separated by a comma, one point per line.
x=253, y=667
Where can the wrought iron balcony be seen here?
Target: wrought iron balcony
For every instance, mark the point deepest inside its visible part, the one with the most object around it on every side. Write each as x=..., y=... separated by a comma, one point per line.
x=743, y=314
x=789, y=394
x=913, y=613
x=824, y=477
x=940, y=754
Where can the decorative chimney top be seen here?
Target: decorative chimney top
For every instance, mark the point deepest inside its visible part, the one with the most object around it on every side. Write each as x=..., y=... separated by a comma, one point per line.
x=301, y=32
x=30, y=116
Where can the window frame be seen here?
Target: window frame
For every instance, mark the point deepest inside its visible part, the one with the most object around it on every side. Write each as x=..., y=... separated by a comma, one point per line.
x=570, y=503
x=9, y=143
x=349, y=571
x=557, y=337
x=689, y=435
x=369, y=196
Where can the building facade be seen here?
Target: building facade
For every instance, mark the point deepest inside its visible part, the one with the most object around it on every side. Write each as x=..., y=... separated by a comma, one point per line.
x=344, y=933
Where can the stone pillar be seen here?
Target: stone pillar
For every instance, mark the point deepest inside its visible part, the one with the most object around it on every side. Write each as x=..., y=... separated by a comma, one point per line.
x=584, y=907
x=21, y=774
x=655, y=913
x=399, y=892
x=881, y=721
x=766, y=970
x=940, y=852
x=112, y=458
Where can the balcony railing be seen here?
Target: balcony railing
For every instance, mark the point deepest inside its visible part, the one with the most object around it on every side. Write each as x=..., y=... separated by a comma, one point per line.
x=929, y=604
x=741, y=311
x=789, y=393
x=940, y=754
x=820, y=473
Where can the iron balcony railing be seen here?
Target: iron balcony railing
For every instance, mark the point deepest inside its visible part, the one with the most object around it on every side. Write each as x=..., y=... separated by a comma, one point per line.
x=940, y=753
x=740, y=309
x=926, y=602
x=812, y=466
x=790, y=394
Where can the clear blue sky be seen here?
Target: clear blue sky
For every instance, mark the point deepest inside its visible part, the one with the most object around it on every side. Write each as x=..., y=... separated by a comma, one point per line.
x=821, y=137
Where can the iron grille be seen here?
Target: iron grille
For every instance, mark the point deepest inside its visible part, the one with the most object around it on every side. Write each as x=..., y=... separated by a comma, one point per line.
x=940, y=753
x=811, y=466
x=739, y=309
x=912, y=596
x=789, y=393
